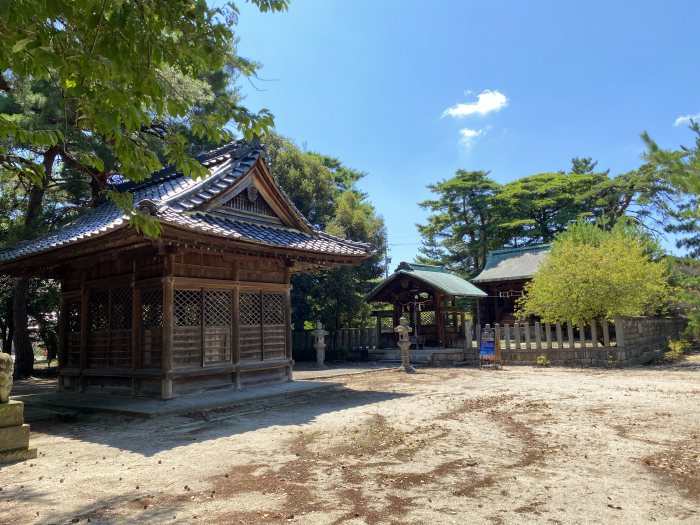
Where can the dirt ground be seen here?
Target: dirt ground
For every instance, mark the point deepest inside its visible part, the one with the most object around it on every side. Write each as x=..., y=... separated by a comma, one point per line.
x=463, y=446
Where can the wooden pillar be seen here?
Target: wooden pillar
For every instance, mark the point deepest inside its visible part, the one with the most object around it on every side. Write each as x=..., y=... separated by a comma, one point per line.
x=506, y=330
x=62, y=334
x=135, y=336
x=84, y=333
x=235, y=335
x=167, y=358
x=439, y=319
x=538, y=336
x=288, y=330
x=582, y=333
x=516, y=329
x=548, y=335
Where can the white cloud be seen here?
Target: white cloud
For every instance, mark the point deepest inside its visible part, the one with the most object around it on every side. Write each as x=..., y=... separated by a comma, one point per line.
x=486, y=102
x=685, y=119
x=469, y=135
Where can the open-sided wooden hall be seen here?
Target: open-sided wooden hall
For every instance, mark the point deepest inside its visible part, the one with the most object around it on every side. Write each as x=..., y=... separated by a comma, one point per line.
x=205, y=304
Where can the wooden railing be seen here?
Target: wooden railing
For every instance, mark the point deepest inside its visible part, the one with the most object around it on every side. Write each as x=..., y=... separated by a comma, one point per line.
x=348, y=339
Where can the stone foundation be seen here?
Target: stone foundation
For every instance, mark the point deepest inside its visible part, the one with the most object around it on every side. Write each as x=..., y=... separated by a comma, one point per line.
x=14, y=434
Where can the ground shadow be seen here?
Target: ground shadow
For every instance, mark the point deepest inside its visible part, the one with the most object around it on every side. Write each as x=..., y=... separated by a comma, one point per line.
x=151, y=436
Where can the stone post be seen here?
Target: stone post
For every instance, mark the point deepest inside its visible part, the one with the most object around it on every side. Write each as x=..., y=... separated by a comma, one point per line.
x=14, y=434
x=320, y=344
x=404, y=342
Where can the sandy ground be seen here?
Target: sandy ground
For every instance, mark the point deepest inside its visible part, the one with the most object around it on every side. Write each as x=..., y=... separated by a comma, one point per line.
x=521, y=445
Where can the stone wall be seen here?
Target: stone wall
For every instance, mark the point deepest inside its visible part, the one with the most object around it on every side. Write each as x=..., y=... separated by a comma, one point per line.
x=644, y=338
x=637, y=340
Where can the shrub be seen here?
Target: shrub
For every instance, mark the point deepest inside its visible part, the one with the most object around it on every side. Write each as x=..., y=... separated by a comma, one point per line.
x=543, y=361
x=676, y=349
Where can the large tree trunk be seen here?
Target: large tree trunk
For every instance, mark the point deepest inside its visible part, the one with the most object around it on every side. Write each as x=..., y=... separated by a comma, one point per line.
x=7, y=333
x=24, y=353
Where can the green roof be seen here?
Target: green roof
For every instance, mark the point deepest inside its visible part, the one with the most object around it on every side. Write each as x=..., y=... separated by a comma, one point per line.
x=513, y=264
x=434, y=276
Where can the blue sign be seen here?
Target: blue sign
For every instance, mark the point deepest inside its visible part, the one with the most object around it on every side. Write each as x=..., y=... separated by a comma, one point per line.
x=487, y=345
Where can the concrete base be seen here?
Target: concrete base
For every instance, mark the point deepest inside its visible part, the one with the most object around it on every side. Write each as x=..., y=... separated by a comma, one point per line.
x=10, y=456
x=14, y=434
x=11, y=414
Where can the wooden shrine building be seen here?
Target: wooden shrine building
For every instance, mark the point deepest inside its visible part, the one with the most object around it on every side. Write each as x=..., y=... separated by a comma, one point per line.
x=205, y=304
x=504, y=277
x=431, y=298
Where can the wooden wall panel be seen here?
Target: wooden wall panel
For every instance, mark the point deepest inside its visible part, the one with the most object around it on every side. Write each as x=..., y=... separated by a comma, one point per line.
x=251, y=347
x=187, y=346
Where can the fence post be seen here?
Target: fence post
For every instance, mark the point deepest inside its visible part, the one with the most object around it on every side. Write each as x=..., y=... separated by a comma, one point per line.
x=538, y=336
x=582, y=333
x=606, y=333
x=548, y=335
x=526, y=327
x=570, y=333
x=619, y=335
x=594, y=333
x=506, y=347
x=516, y=329
x=560, y=337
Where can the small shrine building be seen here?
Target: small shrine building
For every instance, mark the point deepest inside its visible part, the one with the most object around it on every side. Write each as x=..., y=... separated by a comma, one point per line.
x=504, y=277
x=431, y=298
x=205, y=304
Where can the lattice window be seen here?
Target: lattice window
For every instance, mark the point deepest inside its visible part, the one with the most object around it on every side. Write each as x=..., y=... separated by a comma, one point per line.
x=217, y=309
x=273, y=308
x=152, y=308
x=243, y=202
x=187, y=307
x=386, y=325
x=427, y=317
x=121, y=305
x=250, y=309
x=74, y=309
x=99, y=311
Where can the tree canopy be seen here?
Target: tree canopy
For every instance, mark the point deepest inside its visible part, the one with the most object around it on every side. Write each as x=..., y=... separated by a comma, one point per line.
x=593, y=274
x=324, y=190
x=120, y=76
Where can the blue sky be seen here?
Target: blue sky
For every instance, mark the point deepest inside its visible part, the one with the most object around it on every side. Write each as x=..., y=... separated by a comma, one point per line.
x=530, y=85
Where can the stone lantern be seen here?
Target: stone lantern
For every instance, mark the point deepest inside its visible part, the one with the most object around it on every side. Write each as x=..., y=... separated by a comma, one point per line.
x=404, y=330
x=14, y=433
x=320, y=344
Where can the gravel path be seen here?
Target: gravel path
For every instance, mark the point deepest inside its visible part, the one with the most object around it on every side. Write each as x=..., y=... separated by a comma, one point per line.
x=521, y=445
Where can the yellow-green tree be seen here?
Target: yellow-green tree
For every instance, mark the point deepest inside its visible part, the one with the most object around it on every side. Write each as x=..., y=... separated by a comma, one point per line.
x=592, y=274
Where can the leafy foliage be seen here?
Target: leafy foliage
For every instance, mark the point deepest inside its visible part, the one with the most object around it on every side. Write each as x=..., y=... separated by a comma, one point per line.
x=119, y=75
x=324, y=191
x=682, y=168
x=592, y=274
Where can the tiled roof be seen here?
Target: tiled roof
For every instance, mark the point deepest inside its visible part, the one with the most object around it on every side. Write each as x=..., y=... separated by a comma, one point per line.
x=174, y=195
x=434, y=276
x=512, y=264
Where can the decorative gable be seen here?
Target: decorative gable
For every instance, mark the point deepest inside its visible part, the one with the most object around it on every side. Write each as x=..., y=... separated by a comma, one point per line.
x=249, y=201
